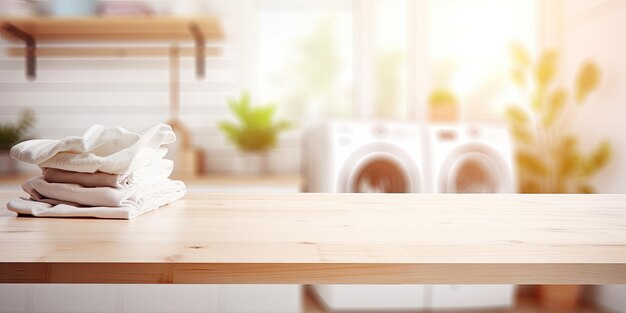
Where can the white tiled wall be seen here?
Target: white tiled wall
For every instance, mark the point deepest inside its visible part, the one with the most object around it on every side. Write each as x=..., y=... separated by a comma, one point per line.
x=70, y=95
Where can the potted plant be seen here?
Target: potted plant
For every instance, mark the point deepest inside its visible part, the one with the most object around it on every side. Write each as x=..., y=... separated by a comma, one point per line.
x=444, y=106
x=254, y=134
x=548, y=157
x=12, y=134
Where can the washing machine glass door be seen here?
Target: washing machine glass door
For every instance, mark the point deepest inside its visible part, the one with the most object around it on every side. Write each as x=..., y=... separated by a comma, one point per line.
x=475, y=172
x=379, y=175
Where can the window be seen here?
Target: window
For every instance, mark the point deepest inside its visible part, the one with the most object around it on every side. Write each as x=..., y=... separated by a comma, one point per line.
x=390, y=46
x=469, y=43
x=305, y=58
x=342, y=58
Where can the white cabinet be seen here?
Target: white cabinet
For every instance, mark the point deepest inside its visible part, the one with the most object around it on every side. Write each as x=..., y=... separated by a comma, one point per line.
x=470, y=296
x=12, y=298
x=364, y=297
x=17, y=298
x=168, y=298
x=414, y=297
x=259, y=298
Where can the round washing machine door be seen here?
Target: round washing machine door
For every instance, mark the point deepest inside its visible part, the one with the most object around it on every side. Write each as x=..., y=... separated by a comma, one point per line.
x=475, y=170
x=379, y=169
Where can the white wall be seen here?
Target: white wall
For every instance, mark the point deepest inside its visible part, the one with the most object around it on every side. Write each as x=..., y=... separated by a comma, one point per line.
x=595, y=29
x=70, y=95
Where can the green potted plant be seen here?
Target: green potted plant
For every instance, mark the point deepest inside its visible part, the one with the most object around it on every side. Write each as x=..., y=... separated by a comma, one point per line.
x=12, y=134
x=254, y=133
x=548, y=157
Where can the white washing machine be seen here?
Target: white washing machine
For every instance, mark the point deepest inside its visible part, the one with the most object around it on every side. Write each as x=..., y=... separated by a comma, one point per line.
x=371, y=157
x=363, y=157
x=470, y=159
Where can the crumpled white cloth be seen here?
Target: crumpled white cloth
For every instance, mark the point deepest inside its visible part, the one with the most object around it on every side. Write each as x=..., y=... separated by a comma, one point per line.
x=112, y=150
x=144, y=199
x=152, y=173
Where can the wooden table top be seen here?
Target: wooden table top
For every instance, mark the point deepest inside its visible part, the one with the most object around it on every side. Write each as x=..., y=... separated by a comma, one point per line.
x=329, y=238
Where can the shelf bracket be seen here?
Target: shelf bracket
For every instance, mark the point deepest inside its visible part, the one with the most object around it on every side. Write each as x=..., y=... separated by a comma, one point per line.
x=198, y=37
x=31, y=48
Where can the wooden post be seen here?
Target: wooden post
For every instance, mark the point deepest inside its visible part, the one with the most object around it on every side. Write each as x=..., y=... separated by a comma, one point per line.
x=174, y=82
x=198, y=37
x=186, y=158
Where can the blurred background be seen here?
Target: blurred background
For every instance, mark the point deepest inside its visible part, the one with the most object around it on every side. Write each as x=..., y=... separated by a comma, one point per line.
x=441, y=96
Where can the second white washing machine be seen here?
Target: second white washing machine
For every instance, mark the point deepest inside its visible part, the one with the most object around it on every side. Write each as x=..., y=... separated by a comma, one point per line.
x=470, y=158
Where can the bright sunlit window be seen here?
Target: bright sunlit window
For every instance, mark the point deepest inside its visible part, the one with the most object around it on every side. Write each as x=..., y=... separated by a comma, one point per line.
x=469, y=50
x=309, y=66
x=305, y=59
x=390, y=46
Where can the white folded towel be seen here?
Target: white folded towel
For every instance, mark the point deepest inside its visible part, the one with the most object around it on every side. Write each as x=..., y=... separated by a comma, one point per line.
x=152, y=173
x=58, y=193
x=146, y=198
x=112, y=150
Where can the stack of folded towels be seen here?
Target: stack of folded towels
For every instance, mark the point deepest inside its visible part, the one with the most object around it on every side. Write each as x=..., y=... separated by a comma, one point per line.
x=106, y=173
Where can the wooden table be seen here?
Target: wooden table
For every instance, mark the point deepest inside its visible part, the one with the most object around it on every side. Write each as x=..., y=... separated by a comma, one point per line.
x=330, y=238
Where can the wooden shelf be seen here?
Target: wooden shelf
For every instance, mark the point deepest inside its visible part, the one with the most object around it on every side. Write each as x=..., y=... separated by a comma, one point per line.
x=330, y=238
x=36, y=30
x=168, y=29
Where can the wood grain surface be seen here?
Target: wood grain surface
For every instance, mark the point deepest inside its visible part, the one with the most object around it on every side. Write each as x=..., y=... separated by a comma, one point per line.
x=329, y=238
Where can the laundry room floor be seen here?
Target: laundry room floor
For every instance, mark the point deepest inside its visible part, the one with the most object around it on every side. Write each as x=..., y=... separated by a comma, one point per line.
x=525, y=303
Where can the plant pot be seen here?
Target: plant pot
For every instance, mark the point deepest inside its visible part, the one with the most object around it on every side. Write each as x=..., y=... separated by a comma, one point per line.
x=252, y=164
x=560, y=298
x=7, y=164
x=448, y=112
